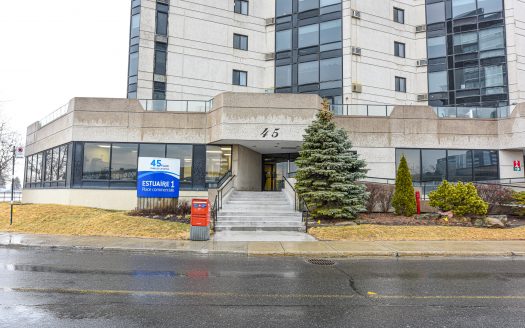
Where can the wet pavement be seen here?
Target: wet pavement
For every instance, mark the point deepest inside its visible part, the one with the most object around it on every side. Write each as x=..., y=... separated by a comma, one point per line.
x=67, y=288
x=285, y=248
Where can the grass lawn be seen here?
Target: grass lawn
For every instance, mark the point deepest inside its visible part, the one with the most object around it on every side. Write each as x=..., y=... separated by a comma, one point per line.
x=84, y=221
x=381, y=232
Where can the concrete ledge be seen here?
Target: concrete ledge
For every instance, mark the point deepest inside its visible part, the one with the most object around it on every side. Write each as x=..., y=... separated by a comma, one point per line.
x=332, y=249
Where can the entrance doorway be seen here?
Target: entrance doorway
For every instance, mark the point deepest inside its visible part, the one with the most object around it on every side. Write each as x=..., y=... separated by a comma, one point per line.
x=275, y=167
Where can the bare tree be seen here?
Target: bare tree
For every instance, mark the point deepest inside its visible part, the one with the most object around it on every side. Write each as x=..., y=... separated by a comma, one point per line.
x=8, y=140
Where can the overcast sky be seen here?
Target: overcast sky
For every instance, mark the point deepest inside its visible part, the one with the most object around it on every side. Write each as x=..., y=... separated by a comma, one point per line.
x=54, y=50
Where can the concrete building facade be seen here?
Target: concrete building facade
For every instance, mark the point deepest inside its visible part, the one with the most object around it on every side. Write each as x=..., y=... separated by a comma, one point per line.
x=229, y=86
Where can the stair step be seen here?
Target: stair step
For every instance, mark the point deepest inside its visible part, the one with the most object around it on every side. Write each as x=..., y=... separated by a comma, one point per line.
x=298, y=229
x=260, y=214
x=253, y=211
x=255, y=219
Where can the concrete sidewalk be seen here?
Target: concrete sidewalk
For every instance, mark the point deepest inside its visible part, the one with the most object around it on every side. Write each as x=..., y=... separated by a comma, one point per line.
x=317, y=248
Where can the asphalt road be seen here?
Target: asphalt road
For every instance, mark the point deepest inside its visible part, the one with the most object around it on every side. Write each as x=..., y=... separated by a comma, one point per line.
x=42, y=288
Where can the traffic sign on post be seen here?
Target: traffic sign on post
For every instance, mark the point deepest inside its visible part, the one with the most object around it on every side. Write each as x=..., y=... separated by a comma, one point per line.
x=19, y=152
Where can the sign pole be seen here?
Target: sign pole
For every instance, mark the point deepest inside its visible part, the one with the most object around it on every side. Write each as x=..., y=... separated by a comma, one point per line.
x=12, y=185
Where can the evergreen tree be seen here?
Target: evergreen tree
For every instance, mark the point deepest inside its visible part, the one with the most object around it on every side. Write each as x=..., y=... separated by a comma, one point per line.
x=328, y=170
x=404, y=200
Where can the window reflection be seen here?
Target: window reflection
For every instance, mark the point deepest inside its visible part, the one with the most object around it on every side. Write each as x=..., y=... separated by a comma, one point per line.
x=96, y=161
x=153, y=150
x=283, y=7
x=309, y=35
x=185, y=154
x=218, y=162
x=124, y=162
x=459, y=165
x=283, y=40
x=434, y=165
x=413, y=160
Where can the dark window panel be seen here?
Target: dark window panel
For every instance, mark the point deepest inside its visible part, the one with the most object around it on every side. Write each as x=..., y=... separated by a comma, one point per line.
x=399, y=15
x=161, y=55
x=96, y=161
x=459, y=164
x=399, y=49
x=241, y=7
x=240, y=42
x=413, y=157
x=305, y=5
x=152, y=150
x=401, y=84
x=435, y=12
x=124, y=161
x=433, y=164
x=283, y=7
x=185, y=154
x=330, y=32
x=240, y=78
x=283, y=76
x=162, y=24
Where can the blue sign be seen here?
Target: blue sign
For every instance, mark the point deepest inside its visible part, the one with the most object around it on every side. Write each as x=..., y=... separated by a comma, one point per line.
x=158, y=177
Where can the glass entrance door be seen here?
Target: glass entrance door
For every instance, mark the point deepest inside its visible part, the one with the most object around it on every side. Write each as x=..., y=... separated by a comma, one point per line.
x=275, y=167
x=269, y=177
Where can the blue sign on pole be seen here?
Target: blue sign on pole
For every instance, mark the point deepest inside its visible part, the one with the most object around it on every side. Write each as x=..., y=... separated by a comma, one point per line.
x=158, y=177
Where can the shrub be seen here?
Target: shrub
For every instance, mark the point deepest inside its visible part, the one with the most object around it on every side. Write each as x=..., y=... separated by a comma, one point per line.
x=183, y=209
x=495, y=195
x=519, y=198
x=462, y=199
x=380, y=197
x=404, y=200
x=385, y=198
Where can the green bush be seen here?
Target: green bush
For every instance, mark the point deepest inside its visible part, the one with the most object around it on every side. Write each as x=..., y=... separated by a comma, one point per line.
x=462, y=199
x=404, y=200
x=519, y=197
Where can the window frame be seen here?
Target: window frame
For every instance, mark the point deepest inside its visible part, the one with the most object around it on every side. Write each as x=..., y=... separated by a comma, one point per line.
x=239, y=72
x=239, y=38
x=396, y=13
x=399, y=49
x=400, y=87
x=238, y=6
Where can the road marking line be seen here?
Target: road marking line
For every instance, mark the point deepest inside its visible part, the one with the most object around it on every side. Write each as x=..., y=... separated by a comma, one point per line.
x=488, y=297
x=166, y=294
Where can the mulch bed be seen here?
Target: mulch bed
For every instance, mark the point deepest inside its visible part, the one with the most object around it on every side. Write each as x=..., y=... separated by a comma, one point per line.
x=391, y=219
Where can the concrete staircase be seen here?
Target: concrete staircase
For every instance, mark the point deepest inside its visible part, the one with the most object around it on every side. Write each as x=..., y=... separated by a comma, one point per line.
x=258, y=211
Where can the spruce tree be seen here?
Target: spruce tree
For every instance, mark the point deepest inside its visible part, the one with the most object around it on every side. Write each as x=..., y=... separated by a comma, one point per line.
x=328, y=170
x=404, y=200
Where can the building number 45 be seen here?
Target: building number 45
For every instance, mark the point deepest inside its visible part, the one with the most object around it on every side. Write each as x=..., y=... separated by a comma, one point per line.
x=156, y=162
x=274, y=134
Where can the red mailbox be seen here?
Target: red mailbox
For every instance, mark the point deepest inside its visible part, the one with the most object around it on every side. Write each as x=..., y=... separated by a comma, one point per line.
x=200, y=212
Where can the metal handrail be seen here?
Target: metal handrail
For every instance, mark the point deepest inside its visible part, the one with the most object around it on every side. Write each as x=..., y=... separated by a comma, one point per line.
x=217, y=203
x=298, y=201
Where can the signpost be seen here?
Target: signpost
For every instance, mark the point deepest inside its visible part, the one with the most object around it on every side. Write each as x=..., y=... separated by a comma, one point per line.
x=158, y=177
x=18, y=152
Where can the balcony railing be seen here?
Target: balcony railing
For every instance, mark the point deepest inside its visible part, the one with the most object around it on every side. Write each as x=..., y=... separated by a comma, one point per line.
x=441, y=112
x=54, y=115
x=361, y=110
x=473, y=112
x=184, y=106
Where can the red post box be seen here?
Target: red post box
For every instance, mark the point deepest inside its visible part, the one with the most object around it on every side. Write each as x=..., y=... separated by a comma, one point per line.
x=418, y=202
x=200, y=212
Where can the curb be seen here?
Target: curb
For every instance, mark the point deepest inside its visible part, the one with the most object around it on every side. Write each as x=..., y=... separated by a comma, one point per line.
x=323, y=254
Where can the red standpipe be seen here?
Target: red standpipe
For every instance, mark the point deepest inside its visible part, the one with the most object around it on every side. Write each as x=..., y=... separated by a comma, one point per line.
x=418, y=202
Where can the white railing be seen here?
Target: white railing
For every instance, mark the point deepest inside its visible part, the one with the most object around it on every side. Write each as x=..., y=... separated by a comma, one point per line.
x=54, y=115
x=184, y=106
x=5, y=196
